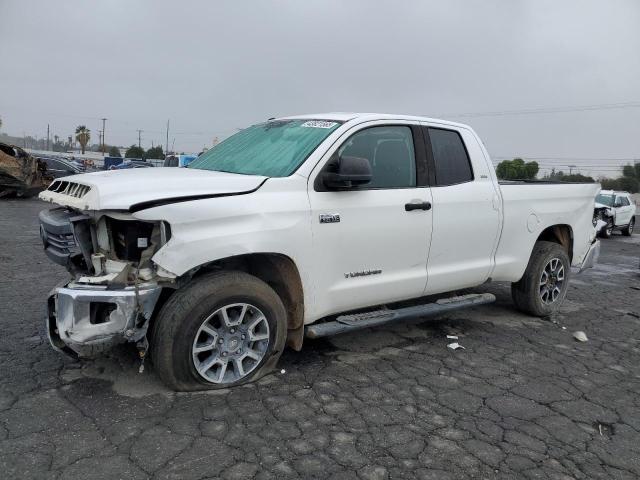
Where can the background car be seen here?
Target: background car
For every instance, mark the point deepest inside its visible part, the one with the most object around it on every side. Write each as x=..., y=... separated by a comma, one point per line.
x=179, y=160
x=57, y=167
x=617, y=210
x=131, y=164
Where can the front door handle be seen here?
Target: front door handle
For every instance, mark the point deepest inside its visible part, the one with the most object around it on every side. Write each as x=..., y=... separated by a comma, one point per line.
x=417, y=206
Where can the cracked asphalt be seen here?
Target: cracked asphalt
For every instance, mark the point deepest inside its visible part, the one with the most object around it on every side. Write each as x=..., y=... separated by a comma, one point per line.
x=523, y=400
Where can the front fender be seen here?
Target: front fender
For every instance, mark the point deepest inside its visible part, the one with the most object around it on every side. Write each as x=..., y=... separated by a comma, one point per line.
x=274, y=220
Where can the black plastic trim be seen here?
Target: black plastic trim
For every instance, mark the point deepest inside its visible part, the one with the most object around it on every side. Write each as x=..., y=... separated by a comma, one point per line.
x=136, y=207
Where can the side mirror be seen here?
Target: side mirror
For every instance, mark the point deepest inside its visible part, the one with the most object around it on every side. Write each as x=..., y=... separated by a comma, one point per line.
x=347, y=172
x=617, y=204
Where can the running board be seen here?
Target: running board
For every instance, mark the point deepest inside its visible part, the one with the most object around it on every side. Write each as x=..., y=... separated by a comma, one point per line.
x=358, y=321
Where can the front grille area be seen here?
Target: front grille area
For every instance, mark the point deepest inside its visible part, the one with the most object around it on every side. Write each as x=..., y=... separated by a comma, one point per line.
x=62, y=242
x=73, y=189
x=56, y=232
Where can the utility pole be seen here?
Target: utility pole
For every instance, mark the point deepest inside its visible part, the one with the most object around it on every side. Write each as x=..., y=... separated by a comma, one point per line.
x=571, y=167
x=103, y=120
x=47, y=137
x=166, y=148
x=139, y=132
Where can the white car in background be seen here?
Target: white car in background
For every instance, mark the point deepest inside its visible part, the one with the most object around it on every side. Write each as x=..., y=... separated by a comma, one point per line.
x=618, y=210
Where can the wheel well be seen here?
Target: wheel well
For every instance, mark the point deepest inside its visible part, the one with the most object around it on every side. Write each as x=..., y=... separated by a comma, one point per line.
x=560, y=234
x=281, y=274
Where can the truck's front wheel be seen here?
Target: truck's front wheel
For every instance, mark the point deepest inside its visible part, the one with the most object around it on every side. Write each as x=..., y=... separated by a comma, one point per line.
x=220, y=330
x=542, y=288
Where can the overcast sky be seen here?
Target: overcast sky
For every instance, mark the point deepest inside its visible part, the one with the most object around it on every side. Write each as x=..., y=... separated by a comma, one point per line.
x=212, y=67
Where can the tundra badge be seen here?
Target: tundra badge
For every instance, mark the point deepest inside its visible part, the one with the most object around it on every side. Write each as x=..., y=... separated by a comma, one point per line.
x=329, y=218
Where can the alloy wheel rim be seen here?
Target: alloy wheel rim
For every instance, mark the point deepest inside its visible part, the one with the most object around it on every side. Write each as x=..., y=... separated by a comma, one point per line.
x=551, y=281
x=230, y=343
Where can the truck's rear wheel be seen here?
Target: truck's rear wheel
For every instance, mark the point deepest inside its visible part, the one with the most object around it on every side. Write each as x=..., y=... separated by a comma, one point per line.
x=543, y=287
x=220, y=330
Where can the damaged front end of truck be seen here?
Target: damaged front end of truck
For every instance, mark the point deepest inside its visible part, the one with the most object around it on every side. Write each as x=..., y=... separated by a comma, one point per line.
x=115, y=286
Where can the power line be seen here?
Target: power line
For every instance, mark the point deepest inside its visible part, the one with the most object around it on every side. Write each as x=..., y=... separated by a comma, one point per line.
x=542, y=110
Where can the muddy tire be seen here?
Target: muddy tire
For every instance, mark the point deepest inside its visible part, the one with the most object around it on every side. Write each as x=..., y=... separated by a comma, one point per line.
x=220, y=330
x=543, y=287
x=628, y=230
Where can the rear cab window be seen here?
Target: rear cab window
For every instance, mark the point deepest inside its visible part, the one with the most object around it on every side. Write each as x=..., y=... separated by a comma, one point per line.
x=451, y=163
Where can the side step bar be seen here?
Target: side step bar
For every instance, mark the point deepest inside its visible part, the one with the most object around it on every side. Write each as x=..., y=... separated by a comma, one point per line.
x=358, y=321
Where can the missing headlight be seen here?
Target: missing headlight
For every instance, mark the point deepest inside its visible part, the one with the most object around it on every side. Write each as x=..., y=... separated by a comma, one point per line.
x=130, y=238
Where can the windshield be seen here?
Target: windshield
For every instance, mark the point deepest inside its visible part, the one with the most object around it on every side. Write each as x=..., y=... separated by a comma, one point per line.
x=272, y=149
x=605, y=199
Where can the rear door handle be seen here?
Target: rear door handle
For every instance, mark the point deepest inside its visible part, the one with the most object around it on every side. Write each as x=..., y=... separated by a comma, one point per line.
x=417, y=206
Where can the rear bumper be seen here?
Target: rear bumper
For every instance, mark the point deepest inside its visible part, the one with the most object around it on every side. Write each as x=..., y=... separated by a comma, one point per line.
x=591, y=258
x=83, y=322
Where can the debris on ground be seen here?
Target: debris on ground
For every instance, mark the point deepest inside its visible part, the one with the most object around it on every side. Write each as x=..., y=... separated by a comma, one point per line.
x=580, y=336
x=455, y=346
x=452, y=337
x=282, y=372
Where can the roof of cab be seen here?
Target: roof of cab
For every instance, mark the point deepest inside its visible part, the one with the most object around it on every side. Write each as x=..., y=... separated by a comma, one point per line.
x=347, y=116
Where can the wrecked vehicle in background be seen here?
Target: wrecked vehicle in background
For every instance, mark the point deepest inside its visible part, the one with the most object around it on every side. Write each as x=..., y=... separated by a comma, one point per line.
x=614, y=210
x=301, y=227
x=20, y=173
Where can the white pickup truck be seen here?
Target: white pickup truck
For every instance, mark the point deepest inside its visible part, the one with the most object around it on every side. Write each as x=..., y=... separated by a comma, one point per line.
x=301, y=226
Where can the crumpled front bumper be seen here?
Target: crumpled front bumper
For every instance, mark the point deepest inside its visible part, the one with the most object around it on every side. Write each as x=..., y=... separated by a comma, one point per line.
x=591, y=258
x=87, y=321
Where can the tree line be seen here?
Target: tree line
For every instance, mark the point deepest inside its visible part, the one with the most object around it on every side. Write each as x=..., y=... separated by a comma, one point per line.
x=518, y=169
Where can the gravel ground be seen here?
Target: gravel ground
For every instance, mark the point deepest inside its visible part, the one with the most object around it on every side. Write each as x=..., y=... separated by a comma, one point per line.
x=523, y=400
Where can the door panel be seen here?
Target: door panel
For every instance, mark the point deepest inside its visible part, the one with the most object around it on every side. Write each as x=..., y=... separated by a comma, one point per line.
x=373, y=244
x=623, y=213
x=375, y=234
x=466, y=211
x=465, y=226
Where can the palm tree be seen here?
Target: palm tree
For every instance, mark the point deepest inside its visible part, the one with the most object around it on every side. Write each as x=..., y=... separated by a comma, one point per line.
x=83, y=135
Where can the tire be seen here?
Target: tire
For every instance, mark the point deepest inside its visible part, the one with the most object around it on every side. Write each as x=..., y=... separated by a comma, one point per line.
x=528, y=293
x=628, y=230
x=202, y=316
x=607, y=230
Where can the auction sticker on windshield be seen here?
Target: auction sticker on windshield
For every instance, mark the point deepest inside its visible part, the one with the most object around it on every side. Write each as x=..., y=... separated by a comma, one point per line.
x=319, y=124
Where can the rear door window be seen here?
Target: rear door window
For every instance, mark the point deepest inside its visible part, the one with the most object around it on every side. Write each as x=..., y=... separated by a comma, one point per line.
x=450, y=157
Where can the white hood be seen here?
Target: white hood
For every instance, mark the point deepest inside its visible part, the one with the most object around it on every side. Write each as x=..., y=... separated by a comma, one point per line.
x=122, y=189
